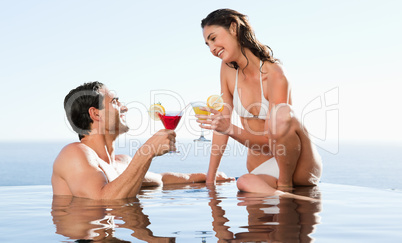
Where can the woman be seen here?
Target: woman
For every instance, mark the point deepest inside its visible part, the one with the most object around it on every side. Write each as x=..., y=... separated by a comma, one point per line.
x=253, y=83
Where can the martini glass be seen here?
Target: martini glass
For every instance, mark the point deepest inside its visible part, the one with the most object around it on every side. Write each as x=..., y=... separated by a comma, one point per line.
x=170, y=120
x=196, y=107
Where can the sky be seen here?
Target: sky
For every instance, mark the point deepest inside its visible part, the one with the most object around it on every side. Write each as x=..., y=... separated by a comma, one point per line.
x=342, y=59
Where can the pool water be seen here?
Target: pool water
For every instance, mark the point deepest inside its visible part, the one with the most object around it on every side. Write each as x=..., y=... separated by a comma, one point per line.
x=195, y=213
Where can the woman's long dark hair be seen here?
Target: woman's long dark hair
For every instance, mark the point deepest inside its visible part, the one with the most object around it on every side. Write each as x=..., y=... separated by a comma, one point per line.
x=245, y=34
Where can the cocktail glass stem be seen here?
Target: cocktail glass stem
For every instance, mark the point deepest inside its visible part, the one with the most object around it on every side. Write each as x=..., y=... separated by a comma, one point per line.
x=202, y=137
x=196, y=106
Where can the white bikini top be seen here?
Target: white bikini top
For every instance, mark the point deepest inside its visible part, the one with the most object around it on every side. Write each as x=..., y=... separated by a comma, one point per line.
x=243, y=112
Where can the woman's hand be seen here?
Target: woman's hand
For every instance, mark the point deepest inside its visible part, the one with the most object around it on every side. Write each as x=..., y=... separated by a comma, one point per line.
x=210, y=179
x=215, y=121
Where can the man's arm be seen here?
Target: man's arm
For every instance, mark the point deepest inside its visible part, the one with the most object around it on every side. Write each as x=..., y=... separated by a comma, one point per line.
x=79, y=167
x=128, y=184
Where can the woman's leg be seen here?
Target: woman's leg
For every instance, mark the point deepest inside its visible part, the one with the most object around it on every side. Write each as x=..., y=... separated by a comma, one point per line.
x=298, y=160
x=257, y=183
x=265, y=185
x=285, y=142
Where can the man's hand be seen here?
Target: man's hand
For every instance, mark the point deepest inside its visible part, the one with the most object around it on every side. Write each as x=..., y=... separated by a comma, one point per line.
x=217, y=177
x=160, y=143
x=220, y=176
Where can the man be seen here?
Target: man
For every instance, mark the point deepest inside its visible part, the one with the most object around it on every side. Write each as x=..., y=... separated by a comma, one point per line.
x=90, y=168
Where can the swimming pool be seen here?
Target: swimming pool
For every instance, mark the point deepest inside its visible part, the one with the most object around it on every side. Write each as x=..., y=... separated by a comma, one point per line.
x=195, y=213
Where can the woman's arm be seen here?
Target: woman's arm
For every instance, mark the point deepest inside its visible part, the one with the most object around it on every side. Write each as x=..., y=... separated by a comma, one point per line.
x=279, y=91
x=219, y=141
x=223, y=126
x=221, y=122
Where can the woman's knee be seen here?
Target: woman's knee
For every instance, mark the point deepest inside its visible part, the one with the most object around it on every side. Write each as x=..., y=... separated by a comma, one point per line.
x=244, y=182
x=256, y=183
x=241, y=182
x=281, y=121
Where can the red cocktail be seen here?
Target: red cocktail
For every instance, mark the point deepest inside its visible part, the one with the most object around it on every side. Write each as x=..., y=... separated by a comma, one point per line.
x=170, y=121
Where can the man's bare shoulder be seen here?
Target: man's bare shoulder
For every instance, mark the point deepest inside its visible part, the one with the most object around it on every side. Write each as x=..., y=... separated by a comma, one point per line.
x=73, y=153
x=74, y=149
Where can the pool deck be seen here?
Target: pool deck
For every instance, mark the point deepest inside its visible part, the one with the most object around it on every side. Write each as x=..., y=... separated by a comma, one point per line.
x=195, y=213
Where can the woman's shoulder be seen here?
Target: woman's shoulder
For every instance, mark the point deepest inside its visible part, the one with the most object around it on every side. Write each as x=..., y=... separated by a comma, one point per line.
x=226, y=68
x=275, y=68
x=275, y=72
x=227, y=72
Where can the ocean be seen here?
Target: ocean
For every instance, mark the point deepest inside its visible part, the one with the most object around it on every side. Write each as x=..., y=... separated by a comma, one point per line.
x=355, y=163
x=360, y=195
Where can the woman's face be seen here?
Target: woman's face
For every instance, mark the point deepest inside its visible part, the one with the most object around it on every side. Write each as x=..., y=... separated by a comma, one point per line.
x=221, y=42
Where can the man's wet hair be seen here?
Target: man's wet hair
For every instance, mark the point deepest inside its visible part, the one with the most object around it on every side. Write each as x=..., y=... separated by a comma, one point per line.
x=77, y=103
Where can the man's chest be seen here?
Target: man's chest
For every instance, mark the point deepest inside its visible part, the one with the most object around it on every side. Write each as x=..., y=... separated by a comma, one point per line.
x=108, y=169
x=112, y=170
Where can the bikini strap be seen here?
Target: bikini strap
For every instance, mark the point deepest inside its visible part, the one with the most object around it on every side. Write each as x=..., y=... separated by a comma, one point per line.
x=262, y=90
x=237, y=74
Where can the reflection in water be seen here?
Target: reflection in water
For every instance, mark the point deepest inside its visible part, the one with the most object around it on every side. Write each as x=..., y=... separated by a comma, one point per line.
x=86, y=219
x=270, y=219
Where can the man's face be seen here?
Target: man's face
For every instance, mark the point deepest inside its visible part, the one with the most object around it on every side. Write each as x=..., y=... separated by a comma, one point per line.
x=113, y=114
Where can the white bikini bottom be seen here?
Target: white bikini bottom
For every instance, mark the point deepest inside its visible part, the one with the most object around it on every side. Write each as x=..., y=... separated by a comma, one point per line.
x=269, y=167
